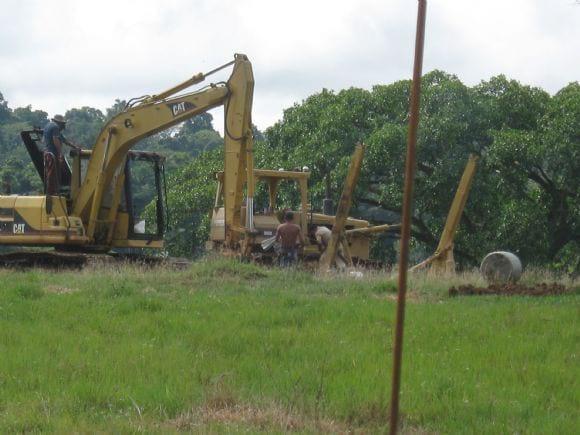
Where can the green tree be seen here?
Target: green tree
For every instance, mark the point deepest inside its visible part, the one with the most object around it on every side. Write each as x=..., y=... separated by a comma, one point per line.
x=540, y=165
x=190, y=198
x=84, y=125
x=34, y=118
x=203, y=121
x=4, y=109
x=117, y=107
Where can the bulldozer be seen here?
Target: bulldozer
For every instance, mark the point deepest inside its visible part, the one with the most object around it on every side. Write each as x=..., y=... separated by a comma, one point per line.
x=266, y=220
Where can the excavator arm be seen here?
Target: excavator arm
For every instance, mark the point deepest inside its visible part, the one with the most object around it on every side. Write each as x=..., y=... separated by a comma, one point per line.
x=98, y=197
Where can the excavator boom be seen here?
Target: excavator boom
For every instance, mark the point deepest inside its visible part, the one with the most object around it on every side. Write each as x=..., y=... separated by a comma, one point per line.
x=94, y=208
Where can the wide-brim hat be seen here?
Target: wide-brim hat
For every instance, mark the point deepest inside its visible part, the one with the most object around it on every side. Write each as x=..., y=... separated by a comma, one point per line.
x=59, y=118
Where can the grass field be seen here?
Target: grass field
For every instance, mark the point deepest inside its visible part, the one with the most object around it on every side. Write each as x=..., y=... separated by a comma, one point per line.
x=230, y=347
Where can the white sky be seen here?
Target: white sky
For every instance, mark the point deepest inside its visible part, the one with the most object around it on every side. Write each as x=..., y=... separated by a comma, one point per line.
x=60, y=54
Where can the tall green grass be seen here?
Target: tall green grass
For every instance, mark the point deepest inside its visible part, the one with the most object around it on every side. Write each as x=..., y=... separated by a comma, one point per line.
x=226, y=346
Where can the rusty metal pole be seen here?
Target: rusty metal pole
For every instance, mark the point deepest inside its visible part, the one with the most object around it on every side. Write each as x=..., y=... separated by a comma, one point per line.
x=406, y=217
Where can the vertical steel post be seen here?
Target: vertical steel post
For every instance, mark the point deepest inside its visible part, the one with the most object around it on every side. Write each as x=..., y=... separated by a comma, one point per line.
x=406, y=217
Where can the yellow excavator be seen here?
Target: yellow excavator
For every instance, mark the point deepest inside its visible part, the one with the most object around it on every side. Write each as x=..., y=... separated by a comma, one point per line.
x=95, y=210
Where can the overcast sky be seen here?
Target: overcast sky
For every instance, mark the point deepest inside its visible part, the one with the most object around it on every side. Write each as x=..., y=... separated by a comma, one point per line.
x=56, y=55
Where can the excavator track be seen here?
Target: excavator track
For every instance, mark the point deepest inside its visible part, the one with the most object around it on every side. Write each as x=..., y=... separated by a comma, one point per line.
x=56, y=260
x=43, y=259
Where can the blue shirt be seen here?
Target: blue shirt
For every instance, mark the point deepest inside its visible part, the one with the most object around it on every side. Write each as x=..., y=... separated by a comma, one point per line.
x=50, y=131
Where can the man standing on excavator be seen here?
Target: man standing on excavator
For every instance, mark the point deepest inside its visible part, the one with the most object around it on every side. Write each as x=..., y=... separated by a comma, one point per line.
x=53, y=157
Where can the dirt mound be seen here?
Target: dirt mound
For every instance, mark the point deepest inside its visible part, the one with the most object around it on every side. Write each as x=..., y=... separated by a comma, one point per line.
x=511, y=289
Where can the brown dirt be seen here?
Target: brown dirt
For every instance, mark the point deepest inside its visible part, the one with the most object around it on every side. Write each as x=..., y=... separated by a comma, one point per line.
x=511, y=289
x=269, y=419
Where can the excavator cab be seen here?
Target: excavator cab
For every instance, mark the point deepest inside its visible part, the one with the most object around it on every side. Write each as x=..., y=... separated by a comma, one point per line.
x=141, y=214
x=142, y=189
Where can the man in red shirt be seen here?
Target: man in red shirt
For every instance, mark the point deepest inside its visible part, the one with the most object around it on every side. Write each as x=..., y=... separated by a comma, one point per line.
x=290, y=238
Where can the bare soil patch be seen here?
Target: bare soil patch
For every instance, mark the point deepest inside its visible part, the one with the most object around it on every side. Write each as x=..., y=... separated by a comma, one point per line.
x=263, y=419
x=512, y=289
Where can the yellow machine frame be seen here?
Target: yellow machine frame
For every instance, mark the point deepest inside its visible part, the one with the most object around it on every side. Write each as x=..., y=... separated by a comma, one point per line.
x=265, y=224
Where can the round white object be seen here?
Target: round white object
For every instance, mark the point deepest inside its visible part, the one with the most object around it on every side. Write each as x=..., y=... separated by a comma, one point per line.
x=501, y=267
x=356, y=274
